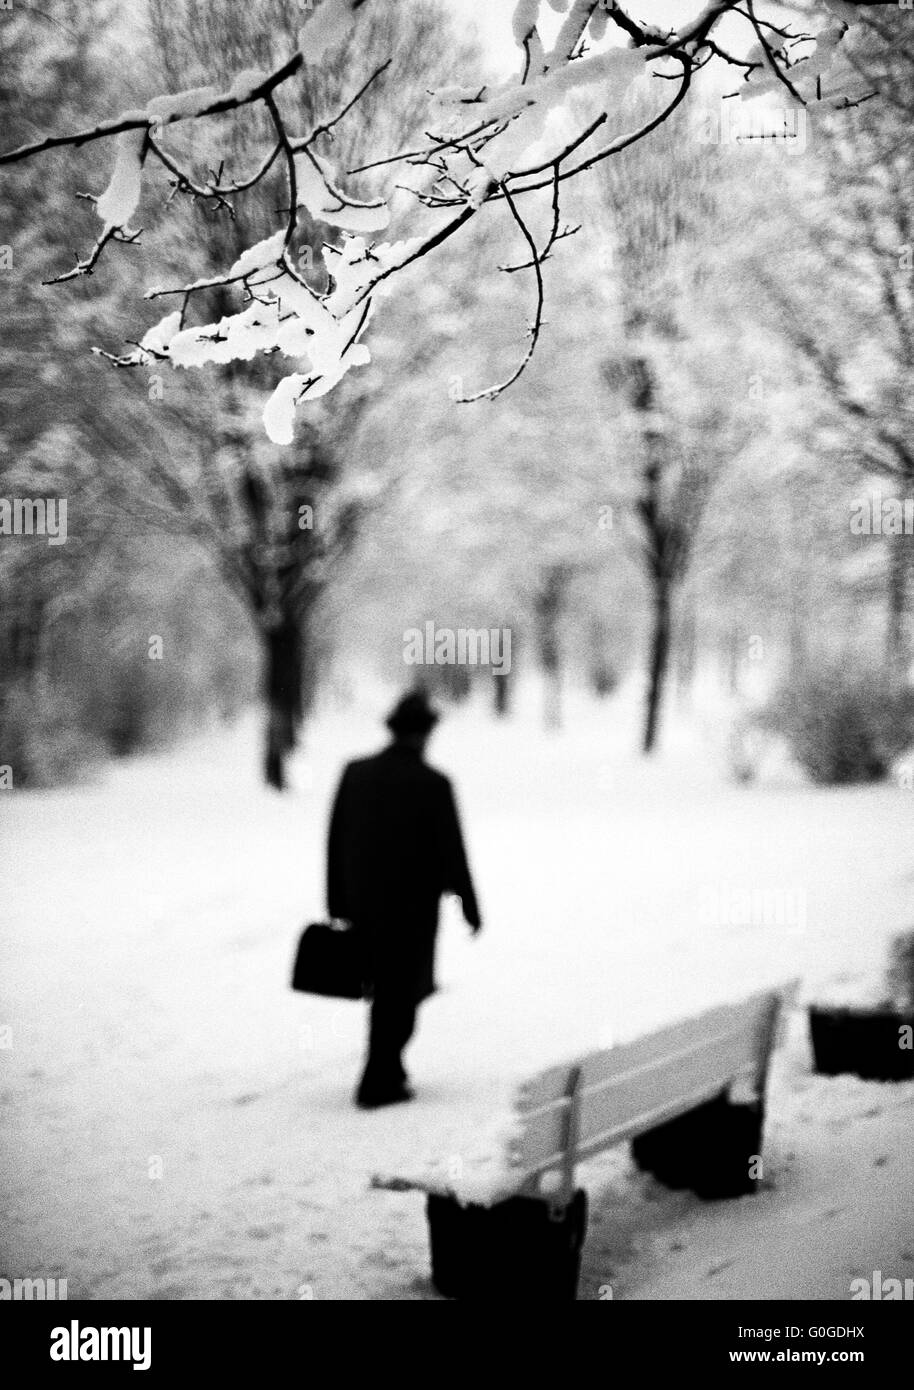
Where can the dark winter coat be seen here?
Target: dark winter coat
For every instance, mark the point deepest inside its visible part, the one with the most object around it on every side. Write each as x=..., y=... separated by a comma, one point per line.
x=395, y=846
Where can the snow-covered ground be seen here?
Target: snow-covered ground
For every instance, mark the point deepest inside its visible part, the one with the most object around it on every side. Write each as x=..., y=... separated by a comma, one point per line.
x=176, y=1123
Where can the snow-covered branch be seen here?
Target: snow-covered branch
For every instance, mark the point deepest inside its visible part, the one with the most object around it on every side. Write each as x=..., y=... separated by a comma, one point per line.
x=485, y=147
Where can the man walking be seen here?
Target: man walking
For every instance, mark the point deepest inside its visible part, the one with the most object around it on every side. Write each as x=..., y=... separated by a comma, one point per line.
x=395, y=846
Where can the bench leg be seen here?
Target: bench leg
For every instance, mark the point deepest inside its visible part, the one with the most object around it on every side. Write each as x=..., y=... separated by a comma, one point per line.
x=517, y=1249
x=710, y=1149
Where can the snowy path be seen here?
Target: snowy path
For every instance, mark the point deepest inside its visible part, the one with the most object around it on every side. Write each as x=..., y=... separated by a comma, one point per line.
x=177, y=1124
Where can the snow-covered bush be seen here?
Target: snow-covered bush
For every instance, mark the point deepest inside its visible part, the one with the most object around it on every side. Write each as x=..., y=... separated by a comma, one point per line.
x=842, y=724
x=743, y=751
x=39, y=739
x=900, y=972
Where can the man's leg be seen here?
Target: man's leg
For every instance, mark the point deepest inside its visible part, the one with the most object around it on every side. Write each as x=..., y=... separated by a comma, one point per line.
x=391, y=1026
x=405, y=1024
x=381, y=1064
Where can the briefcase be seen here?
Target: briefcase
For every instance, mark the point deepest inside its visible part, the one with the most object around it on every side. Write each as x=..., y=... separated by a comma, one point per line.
x=331, y=961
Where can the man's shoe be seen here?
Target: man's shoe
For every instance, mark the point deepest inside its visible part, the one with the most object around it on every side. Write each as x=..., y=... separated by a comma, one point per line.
x=373, y=1100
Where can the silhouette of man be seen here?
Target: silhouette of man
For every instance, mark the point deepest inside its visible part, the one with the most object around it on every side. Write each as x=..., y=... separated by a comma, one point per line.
x=395, y=846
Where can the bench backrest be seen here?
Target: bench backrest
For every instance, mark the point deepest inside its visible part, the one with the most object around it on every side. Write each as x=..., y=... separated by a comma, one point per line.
x=569, y=1112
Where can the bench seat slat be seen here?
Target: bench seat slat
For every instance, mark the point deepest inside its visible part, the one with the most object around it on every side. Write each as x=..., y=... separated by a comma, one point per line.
x=750, y=1016
x=708, y=1068
x=617, y=1102
x=620, y=1130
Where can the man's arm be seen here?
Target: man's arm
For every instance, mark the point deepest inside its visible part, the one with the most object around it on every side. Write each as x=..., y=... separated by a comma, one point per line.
x=457, y=872
x=337, y=886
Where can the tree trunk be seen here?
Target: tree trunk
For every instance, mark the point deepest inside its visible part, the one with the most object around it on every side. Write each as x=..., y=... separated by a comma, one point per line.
x=552, y=698
x=735, y=645
x=456, y=681
x=898, y=655
x=659, y=660
x=601, y=676
x=686, y=653
x=283, y=695
x=502, y=693
x=549, y=606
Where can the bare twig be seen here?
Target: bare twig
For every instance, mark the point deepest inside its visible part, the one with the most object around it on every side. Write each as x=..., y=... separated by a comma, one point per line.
x=87, y=265
x=291, y=174
x=326, y=127
x=492, y=391
x=556, y=233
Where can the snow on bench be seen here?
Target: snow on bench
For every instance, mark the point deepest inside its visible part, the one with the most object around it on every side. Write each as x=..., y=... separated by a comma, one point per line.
x=690, y=1096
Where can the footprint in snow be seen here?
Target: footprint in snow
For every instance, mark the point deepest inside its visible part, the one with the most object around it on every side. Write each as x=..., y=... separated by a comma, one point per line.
x=264, y=1232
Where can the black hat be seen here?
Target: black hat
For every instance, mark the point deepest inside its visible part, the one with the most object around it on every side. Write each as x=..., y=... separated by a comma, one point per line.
x=413, y=715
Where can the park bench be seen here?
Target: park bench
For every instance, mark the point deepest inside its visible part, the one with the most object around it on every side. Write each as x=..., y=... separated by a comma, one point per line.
x=690, y=1099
